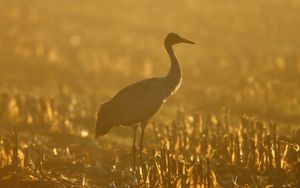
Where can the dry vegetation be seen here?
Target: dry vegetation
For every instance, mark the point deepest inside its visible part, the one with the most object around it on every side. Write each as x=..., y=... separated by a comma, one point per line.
x=59, y=59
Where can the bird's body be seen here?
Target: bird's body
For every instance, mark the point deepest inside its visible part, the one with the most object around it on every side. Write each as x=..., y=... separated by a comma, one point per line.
x=143, y=108
x=148, y=94
x=138, y=102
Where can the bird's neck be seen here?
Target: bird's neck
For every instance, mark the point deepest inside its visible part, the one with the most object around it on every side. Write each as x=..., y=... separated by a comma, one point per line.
x=173, y=78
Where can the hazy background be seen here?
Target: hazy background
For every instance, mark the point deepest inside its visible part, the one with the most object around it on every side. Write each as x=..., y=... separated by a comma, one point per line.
x=246, y=57
x=60, y=59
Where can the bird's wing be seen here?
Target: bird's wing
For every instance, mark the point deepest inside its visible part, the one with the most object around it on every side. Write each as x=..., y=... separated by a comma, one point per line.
x=138, y=101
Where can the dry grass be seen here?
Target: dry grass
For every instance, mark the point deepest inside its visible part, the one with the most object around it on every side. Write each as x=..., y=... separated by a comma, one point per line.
x=61, y=58
x=199, y=150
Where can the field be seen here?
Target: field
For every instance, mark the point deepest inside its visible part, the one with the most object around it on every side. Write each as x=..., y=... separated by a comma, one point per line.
x=234, y=122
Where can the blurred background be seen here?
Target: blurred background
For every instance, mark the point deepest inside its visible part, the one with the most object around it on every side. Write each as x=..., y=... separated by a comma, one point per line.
x=60, y=59
x=246, y=57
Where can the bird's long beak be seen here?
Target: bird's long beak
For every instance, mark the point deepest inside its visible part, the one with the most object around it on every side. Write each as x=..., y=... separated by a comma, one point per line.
x=187, y=41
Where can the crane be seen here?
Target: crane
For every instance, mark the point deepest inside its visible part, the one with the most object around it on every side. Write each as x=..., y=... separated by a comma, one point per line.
x=137, y=103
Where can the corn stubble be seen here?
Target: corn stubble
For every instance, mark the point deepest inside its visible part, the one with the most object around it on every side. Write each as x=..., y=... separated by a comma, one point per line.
x=200, y=150
x=205, y=151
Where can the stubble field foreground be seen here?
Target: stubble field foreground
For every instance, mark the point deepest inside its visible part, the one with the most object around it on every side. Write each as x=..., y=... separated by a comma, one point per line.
x=198, y=150
x=234, y=122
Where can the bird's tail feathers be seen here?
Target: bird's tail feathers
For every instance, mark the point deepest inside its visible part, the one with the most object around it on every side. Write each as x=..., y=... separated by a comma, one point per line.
x=104, y=120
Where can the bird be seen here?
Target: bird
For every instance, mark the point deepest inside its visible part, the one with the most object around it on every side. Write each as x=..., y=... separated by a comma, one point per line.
x=137, y=103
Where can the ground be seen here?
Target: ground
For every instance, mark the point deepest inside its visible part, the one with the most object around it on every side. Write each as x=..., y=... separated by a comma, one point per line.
x=234, y=120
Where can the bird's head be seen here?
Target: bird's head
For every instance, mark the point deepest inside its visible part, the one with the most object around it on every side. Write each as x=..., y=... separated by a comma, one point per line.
x=173, y=38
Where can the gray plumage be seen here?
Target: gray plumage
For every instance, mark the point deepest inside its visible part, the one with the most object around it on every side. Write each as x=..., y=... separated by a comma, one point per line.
x=119, y=111
x=138, y=102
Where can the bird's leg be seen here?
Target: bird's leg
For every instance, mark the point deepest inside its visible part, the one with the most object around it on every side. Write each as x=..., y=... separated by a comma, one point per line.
x=134, y=148
x=143, y=126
